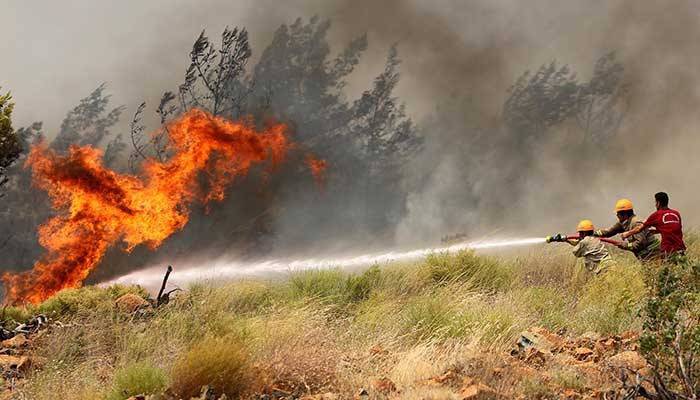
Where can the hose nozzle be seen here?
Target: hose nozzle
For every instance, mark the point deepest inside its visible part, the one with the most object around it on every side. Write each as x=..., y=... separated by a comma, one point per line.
x=556, y=238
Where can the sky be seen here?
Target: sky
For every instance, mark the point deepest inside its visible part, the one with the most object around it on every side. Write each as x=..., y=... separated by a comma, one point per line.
x=56, y=52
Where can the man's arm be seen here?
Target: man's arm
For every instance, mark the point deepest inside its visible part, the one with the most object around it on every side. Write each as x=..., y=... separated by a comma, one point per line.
x=647, y=224
x=610, y=232
x=633, y=231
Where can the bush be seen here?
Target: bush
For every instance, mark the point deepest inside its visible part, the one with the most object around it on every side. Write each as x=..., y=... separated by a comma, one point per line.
x=140, y=378
x=671, y=338
x=221, y=363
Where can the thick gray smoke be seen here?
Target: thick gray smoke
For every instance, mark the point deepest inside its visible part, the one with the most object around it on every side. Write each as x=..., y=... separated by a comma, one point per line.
x=654, y=149
x=459, y=59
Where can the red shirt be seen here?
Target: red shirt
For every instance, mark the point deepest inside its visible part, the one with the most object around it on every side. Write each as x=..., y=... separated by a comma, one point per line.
x=668, y=223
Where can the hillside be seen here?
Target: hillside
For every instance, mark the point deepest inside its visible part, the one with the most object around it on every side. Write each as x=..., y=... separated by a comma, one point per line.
x=449, y=327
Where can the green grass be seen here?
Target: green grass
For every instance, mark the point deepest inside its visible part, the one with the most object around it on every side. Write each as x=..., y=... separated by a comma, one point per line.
x=138, y=378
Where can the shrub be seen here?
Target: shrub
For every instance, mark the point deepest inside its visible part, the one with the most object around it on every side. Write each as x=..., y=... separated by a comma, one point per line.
x=139, y=378
x=671, y=338
x=221, y=363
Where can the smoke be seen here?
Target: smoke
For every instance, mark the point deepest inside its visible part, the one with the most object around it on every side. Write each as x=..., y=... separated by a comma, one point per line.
x=655, y=148
x=459, y=58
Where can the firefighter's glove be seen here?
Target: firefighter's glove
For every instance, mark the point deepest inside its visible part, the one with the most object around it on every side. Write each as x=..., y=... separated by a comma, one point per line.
x=624, y=245
x=556, y=238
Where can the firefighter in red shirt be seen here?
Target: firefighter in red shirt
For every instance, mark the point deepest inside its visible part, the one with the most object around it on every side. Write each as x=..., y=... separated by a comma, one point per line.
x=667, y=222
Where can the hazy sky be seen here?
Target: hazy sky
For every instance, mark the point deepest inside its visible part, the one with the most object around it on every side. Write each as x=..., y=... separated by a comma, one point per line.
x=55, y=52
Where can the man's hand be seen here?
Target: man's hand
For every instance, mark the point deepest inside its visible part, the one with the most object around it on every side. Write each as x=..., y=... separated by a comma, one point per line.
x=624, y=245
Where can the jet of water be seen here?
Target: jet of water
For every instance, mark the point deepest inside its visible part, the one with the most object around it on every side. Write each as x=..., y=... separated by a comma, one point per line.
x=226, y=269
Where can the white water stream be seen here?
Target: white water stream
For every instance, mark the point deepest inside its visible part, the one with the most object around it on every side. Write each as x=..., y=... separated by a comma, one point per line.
x=228, y=269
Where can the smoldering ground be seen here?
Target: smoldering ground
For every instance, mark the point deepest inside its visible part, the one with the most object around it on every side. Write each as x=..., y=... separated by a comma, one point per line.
x=459, y=59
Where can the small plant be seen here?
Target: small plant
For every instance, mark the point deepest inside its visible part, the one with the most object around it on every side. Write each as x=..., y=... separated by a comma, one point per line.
x=139, y=378
x=533, y=388
x=568, y=379
x=220, y=363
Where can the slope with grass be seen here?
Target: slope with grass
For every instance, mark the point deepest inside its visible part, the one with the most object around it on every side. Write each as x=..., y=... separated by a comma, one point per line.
x=394, y=330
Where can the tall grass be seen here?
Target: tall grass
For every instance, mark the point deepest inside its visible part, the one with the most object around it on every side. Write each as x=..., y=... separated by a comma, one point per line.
x=138, y=378
x=313, y=331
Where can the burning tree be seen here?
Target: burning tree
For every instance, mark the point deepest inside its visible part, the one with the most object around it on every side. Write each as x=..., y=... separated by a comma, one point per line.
x=297, y=81
x=26, y=206
x=98, y=207
x=362, y=143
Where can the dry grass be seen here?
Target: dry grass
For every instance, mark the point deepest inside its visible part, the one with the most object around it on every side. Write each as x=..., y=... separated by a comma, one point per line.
x=327, y=330
x=220, y=363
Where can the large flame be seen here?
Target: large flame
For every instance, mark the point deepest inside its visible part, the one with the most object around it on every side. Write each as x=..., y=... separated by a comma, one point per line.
x=98, y=207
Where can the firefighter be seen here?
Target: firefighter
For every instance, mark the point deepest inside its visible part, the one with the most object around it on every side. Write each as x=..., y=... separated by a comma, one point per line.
x=644, y=244
x=596, y=257
x=668, y=223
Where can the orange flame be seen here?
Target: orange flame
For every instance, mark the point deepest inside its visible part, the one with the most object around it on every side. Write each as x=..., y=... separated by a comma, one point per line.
x=318, y=169
x=99, y=207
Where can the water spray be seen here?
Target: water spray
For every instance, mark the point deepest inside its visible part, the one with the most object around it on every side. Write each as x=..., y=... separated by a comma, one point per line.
x=230, y=269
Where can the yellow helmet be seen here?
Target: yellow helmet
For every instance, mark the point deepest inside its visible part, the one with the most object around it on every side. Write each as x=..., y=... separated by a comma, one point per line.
x=623, y=205
x=585, y=226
